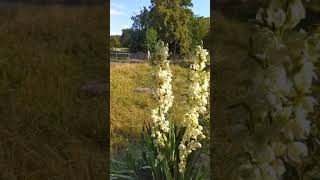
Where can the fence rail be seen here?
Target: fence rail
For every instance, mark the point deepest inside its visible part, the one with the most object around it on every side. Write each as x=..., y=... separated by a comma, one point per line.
x=143, y=57
x=126, y=55
x=120, y=55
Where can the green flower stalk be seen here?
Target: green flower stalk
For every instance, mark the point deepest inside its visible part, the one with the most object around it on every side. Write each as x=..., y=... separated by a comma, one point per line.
x=198, y=100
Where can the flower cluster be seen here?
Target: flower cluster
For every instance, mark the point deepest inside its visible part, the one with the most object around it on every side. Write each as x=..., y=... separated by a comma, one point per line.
x=286, y=83
x=160, y=127
x=198, y=100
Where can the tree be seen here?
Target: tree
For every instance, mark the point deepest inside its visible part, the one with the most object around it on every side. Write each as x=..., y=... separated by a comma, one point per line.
x=126, y=37
x=151, y=39
x=137, y=41
x=199, y=28
x=134, y=39
x=115, y=41
x=174, y=23
x=142, y=20
x=171, y=20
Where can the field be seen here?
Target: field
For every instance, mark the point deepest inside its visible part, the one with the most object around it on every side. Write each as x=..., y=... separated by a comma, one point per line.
x=230, y=44
x=49, y=129
x=129, y=108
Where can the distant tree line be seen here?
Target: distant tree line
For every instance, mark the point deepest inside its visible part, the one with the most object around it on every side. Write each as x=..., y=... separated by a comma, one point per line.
x=172, y=21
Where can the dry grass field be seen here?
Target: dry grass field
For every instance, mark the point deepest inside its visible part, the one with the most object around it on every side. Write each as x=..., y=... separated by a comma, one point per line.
x=49, y=130
x=129, y=108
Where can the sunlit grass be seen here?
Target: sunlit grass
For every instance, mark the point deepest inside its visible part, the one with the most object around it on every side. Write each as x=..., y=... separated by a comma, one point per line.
x=130, y=109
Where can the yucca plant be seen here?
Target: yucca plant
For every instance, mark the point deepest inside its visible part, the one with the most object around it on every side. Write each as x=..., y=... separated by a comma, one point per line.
x=168, y=150
x=175, y=146
x=133, y=165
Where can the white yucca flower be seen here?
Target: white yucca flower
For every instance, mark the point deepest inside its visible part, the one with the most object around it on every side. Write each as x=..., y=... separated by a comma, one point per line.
x=198, y=95
x=160, y=124
x=287, y=103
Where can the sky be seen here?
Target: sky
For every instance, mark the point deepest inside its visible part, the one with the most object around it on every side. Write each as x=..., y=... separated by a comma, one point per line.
x=121, y=12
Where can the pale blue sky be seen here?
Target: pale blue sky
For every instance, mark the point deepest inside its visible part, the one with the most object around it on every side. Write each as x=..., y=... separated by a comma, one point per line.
x=122, y=10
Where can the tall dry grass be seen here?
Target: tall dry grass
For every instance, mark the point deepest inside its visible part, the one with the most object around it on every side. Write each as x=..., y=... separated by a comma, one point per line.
x=129, y=109
x=48, y=130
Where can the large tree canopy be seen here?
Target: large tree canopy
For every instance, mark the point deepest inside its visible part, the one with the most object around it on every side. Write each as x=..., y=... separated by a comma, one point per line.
x=172, y=21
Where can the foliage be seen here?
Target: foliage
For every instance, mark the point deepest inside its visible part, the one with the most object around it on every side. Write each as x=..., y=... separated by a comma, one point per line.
x=151, y=39
x=115, y=41
x=134, y=39
x=171, y=20
x=142, y=20
x=125, y=38
x=134, y=165
x=199, y=28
